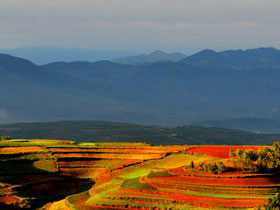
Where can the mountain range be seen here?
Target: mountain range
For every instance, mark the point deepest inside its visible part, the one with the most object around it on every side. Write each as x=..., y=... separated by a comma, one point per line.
x=156, y=56
x=207, y=86
x=104, y=131
x=43, y=55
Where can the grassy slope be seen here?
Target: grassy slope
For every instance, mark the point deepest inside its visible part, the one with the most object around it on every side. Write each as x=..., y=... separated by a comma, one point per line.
x=100, y=131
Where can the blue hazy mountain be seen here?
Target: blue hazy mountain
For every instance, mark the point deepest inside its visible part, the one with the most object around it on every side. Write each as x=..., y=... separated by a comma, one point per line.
x=205, y=86
x=156, y=56
x=44, y=55
x=257, y=125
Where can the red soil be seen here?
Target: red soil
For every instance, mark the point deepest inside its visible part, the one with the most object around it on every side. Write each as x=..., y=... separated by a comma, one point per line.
x=102, y=150
x=205, y=201
x=115, y=207
x=242, y=182
x=98, y=163
x=9, y=200
x=15, y=150
x=219, y=151
x=184, y=172
x=109, y=156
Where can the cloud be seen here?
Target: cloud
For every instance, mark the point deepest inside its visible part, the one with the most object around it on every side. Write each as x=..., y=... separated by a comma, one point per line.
x=140, y=24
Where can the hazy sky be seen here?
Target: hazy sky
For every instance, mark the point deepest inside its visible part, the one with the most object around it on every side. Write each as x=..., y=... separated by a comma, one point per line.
x=140, y=25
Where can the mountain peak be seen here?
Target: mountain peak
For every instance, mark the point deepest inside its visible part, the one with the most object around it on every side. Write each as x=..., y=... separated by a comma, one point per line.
x=157, y=52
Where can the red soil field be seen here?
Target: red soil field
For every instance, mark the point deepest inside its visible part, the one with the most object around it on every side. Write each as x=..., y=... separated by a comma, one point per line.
x=205, y=201
x=117, y=150
x=217, y=190
x=185, y=172
x=242, y=182
x=98, y=163
x=116, y=207
x=111, y=155
x=9, y=199
x=14, y=150
x=219, y=151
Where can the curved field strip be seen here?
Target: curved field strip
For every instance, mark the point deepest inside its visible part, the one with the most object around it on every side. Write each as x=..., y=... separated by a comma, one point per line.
x=36, y=142
x=84, y=172
x=186, y=171
x=21, y=150
x=214, y=191
x=59, y=205
x=246, y=182
x=54, y=188
x=110, y=164
x=205, y=192
x=196, y=200
x=114, y=144
x=174, y=161
x=10, y=200
x=103, y=150
x=131, y=172
x=111, y=155
x=78, y=201
x=219, y=151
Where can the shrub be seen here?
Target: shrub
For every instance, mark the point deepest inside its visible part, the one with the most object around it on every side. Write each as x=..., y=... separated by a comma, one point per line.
x=273, y=203
x=5, y=137
x=231, y=153
x=214, y=168
x=192, y=164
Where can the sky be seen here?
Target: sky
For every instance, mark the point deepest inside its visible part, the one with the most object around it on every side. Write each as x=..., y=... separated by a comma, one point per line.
x=140, y=25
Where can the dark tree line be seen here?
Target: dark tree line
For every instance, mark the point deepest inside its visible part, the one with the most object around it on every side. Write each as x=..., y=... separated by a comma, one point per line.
x=263, y=160
x=5, y=138
x=214, y=168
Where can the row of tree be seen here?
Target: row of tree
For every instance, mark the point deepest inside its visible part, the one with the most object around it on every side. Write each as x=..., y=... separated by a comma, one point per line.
x=214, y=168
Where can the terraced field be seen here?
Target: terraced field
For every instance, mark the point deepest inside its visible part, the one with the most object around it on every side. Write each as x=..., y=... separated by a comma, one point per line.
x=65, y=175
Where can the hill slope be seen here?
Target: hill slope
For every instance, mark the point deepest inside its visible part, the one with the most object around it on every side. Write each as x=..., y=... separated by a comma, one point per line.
x=206, y=86
x=28, y=92
x=101, y=131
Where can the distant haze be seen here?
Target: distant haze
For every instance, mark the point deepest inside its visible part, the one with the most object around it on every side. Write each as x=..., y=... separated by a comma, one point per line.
x=44, y=55
x=141, y=26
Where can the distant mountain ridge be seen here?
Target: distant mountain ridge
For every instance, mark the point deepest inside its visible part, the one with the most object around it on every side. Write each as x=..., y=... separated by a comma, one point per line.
x=236, y=59
x=206, y=86
x=44, y=55
x=256, y=125
x=102, y=131
x=156, y=56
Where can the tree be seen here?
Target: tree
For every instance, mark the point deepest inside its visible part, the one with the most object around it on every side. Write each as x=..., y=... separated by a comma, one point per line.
x=273, y=203
x=192, y=164
x=221, y=167
x=231, y=153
